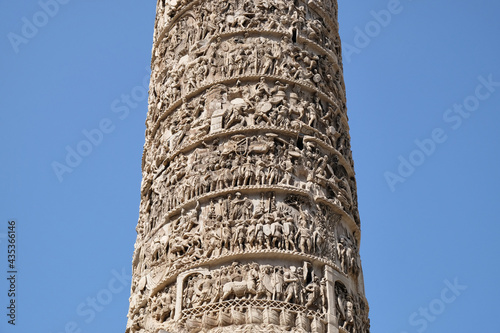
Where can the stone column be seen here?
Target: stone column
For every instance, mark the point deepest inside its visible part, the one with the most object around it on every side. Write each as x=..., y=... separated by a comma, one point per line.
x=248, y=216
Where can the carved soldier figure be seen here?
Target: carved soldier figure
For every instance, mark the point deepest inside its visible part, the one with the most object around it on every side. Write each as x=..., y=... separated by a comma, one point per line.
x=277, y=233
x=253, y=278
x=139, y=321
x=341, y=250
x=188, y=298
x=279, y=281
x=212, y=242
x=247, y=208
x=226, y=207
x=237, y=207
x=235, y=170
x=251, y=236
x=283, y=118
x=259, y=233
x=262, y=89
x=312, y=115
x=349, y=258
x=324, y=295
x=272, y=175
x=225, y=234
x=261, y=111
x=168, y=306
x=313, y=290
x=268, y=60
x=204, y=289
x=304, y=238
x=267, y=230
x=289, y=231
x=216, y=289
x=265, y=286
x=271, y=204
x=240, y=235
x=292, y=286
x=260, y=176
x=300, y=282
x=249, y=175
x=349, y=315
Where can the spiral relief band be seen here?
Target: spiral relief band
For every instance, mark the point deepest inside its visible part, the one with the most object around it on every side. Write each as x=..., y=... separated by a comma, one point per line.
x=249, y=217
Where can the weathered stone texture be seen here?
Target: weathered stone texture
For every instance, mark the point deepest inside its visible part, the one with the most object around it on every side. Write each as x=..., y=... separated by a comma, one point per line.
x=248, y=218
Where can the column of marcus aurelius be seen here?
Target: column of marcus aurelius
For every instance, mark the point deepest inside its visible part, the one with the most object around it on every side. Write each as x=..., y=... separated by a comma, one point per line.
x=248, y=219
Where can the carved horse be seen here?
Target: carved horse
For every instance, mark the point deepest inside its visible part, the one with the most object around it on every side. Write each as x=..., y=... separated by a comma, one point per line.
x=238, y=289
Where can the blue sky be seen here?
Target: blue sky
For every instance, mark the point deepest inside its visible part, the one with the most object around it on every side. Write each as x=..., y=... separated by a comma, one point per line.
x=423, y=87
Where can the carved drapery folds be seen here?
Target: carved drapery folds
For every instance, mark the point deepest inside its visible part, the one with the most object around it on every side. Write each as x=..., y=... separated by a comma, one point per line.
x=249, y=216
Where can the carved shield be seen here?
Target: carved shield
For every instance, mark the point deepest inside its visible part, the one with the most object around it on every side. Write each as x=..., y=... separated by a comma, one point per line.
x=267, y=229
x=264, y=107
x=142, y=283
x=267, y=281
x=287, y=228
x=238, y=101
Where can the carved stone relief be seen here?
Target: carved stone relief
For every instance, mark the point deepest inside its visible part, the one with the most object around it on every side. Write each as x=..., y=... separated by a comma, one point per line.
x=259, y=295
x=249, y=217
x=352, y=310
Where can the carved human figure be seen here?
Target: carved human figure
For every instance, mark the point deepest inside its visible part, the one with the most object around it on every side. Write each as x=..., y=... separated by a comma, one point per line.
x=279, y=282
x=167, y=306
x=292, y=290
x=268, y=60
x=319, y=239
x=289, y=232
x=251, y=235
x=138, y=321
x=188, y=297
x=265, y=287
x=304, y=238
x=226, y=207
x=259, y=233
x=204, y=290
x=341, y=250
x=267, y=230
x=216, y=288
x=272, y=175
x=262, y=89
x=246, y=208
x=324, y=295
x=237, y=207
x=260, y=176
x=277, y=233
x=240, y=236
x=249, y=174
x=349, y=257
x=349, y=323
x=226, y=234
x=212, y=242
x=313, y=292
x=252, y=278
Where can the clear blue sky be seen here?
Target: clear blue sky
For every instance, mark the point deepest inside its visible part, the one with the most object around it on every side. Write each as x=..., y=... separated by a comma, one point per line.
x=423, y=90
